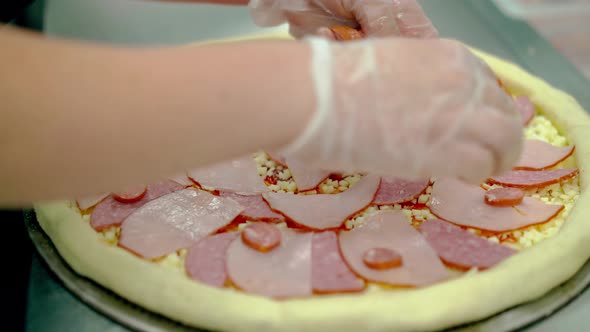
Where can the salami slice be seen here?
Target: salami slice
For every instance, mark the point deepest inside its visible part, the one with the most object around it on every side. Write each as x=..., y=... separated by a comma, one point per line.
x=391, y=230
x=279, y=273
x=461, y=249
x=255, y=208
x=176, y=221
x=205, y=261
x=539, y=155
x=110, y=212
x=238, y=175
x=305, y=177
x=397, y=191
x=325, y=211
x=86, y=203
x=465, y=205
x=329, y=273
x=526, y=108
x=533, y=179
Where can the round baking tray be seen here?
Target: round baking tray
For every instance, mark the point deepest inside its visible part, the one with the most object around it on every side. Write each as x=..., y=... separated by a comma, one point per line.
x=138, y=319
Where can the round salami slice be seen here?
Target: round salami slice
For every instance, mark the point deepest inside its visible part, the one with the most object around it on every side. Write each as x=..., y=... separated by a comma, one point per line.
x=261, y=237
x=111, y=212
x=130, y=195
x=539, y=155
x=461, y=249
x=280, y=273
x=396, y=191
x=504, y=197
x=533, y=179
x=205, y=261
x=391, y=230
x=329, y=273
x=526, y=108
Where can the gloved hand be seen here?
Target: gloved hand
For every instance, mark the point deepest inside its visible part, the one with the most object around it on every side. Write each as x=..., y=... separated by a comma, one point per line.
x=376, y=18
x=410, y=108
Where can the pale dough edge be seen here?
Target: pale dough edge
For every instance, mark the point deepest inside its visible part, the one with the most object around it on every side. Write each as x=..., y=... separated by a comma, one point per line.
x=523, y=277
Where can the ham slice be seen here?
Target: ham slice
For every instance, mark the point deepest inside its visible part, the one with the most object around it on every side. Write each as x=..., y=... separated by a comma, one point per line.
x=255, y=208
x=305, y=177
x=325, y=211
x=330, y=274
x=111, y=212
x=533, y=179
x=397, y=191
x=282, y=272
x=526, y=108
x=205, y=261
x=238, y=175
x=391, y=230
x=465, y=205
x=176, y=221
x=86, y=203
x=538, y=155
x=461, y=249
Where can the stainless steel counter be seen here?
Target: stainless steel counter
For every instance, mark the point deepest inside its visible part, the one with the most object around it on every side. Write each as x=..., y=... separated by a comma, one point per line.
x=479, y=23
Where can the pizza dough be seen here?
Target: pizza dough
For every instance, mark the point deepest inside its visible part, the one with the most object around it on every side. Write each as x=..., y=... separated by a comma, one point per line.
x=523, y=277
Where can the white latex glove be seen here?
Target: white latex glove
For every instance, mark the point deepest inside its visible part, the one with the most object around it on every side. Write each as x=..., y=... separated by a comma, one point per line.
x=374, y=17
x=408, y=107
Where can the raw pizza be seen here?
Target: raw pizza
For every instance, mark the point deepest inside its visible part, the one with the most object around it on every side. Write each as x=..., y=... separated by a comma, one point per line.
x=266, y=243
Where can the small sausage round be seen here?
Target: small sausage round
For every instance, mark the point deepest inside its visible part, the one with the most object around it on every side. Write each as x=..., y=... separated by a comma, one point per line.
x=261, y=236
x=504, y=197
x=382, y=259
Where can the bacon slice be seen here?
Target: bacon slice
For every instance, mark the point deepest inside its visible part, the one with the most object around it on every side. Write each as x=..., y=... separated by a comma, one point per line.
x=205, y=261
x=464, y=205
x=391, y=230
x=325, y=211
x=396, y=191
x=110, y=212
x=238, y=175
x=460, y=249
x=176, y=221
x=86, y=203
x=526, y=108
x=539, y=155
x=305, y=177
x=533, y=179
x=329, y=273
x=255, y=208
x=282, y=272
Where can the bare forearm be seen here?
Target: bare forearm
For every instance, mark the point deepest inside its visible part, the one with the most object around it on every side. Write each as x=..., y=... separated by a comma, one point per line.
x=84, y=119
